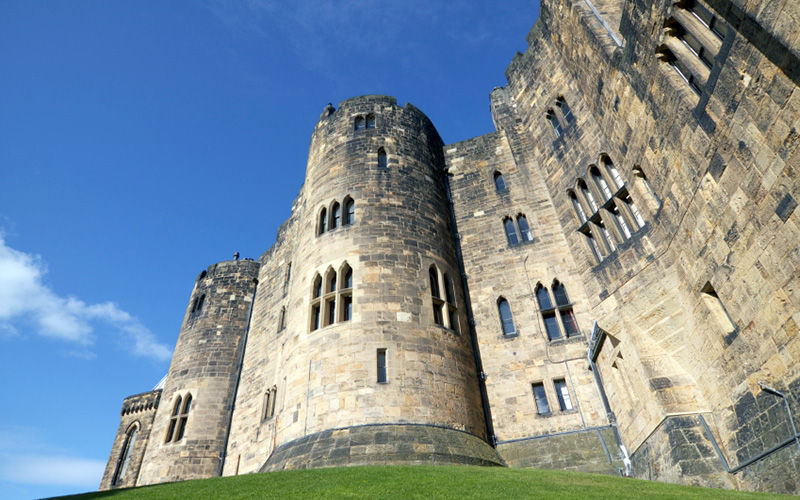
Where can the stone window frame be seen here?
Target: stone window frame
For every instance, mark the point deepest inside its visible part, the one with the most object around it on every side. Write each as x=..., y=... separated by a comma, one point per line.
x=555, y=123
x=268, y=407
x=505, y=322
x=365, y=122
x=612, y=222
x=558, y=316
x=444, y=299
x=179, y=418
x=125, y=453
x=499, y=182
x=566, y=112
x=382, y=365
x=517, y=230
x=692, y=39
x=336, y=216
x=330, y=302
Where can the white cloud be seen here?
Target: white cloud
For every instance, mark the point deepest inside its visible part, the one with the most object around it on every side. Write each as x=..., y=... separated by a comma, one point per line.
x=25, y=298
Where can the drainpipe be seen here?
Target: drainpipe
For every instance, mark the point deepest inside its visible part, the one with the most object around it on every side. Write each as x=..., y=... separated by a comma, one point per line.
x=596, y=342
x=487, y=414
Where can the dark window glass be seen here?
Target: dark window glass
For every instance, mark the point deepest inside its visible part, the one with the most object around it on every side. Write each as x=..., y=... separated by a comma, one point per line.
x=187, y=405
x=332, y=286
x=381, y=366
x=350, y=212
x=554, y=123
x=370, y=121
x=551, y=325
x=541, y=399
x=315, y=317
x=453, y=316
x=511, y=232
x=499, y=183
x=438, y=318
x=434, y=277
x=570, y=325
x=561, y=294
x=323, y=219
x=448, y=287
x=282, y=323
x=506, y=319
x=360, y=124
x=347, y=309
x=125, y=457
x=348, y=278
x=382, y=163
x=543, y=298
x=524, y=229
x=331, y=312
x=317, y=286
x=337, y=215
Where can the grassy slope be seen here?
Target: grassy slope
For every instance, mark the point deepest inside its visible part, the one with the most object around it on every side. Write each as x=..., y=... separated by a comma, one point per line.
x=421, y=482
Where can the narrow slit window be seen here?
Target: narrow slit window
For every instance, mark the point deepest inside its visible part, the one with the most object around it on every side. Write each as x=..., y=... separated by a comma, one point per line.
x=125, y=456
x=382, y=162
x=540, y=396
x=577, y=206
x=382, y=366
x=562, y=392
x=436, y=296
x=553, y=119
x=349, y=212
x=336, y=215
x=323, y=220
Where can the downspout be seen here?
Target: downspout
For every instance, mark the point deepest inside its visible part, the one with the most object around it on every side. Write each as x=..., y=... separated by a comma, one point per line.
x=596, y=342
x=487, y=414
x=224, y=452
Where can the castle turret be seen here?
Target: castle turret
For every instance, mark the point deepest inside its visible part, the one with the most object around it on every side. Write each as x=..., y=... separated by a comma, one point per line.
x=191, y=424
x=370, y=336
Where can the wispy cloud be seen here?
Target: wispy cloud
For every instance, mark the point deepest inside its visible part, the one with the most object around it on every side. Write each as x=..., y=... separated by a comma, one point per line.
x=24, y=298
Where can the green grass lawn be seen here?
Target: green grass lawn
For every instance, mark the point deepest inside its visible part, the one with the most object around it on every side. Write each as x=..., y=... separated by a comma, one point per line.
x=421, y=482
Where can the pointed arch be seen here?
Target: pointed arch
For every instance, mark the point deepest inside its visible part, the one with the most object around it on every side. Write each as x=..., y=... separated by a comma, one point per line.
x=336, y=215
x=322, y=221
x=125, y=454
x=349, y=217
x=506, y=317
x=436, y=295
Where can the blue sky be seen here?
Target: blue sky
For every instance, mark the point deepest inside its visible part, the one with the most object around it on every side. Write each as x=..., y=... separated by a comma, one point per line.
x=141, y=141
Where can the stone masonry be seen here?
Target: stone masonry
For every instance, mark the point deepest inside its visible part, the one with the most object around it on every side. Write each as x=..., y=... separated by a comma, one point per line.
x=609, y=282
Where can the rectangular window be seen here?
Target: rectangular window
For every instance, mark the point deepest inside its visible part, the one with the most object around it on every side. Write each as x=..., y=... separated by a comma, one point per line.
x=541, y=398
x=382, y=366
x=315, y=317
x=562, y=392
x=347, y=309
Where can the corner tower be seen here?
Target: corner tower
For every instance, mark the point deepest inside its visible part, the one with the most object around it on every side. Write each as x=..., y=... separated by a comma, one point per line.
x=375, y=341
x=191, y=425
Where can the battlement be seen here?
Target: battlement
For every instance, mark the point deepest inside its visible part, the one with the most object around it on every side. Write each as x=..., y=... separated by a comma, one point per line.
x=145, y=401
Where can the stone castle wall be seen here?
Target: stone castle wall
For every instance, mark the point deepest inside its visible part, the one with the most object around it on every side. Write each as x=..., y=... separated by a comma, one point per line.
x=659, y=185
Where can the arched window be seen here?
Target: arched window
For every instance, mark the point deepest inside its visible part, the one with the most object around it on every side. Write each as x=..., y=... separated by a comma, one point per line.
x=548, y=313
x=641, y=178
x=336, y=215
x=524, y=229
x=600, y=182
x=499, y=183
x=370, y=121
x=349, y=211
x=565, y=310
x=506, y=319
x=323, y=220
x=553, y=119
x=382, y=163
x=125, y=455
x=360, y=123
x=177, y=422
x=330, y=297
x=288, y=278
x=612, y=172
x=565, y=111
x=317, y=286
x=346, y=293
x=436, y=297
x=587, y=195
x=577, y=206
x=511, y=231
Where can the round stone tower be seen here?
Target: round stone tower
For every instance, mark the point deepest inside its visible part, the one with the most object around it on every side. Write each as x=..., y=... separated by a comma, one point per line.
x=190, y=428
x=375, y=363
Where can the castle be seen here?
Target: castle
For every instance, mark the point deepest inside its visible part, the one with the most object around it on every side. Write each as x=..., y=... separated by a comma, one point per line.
x=610, y=282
